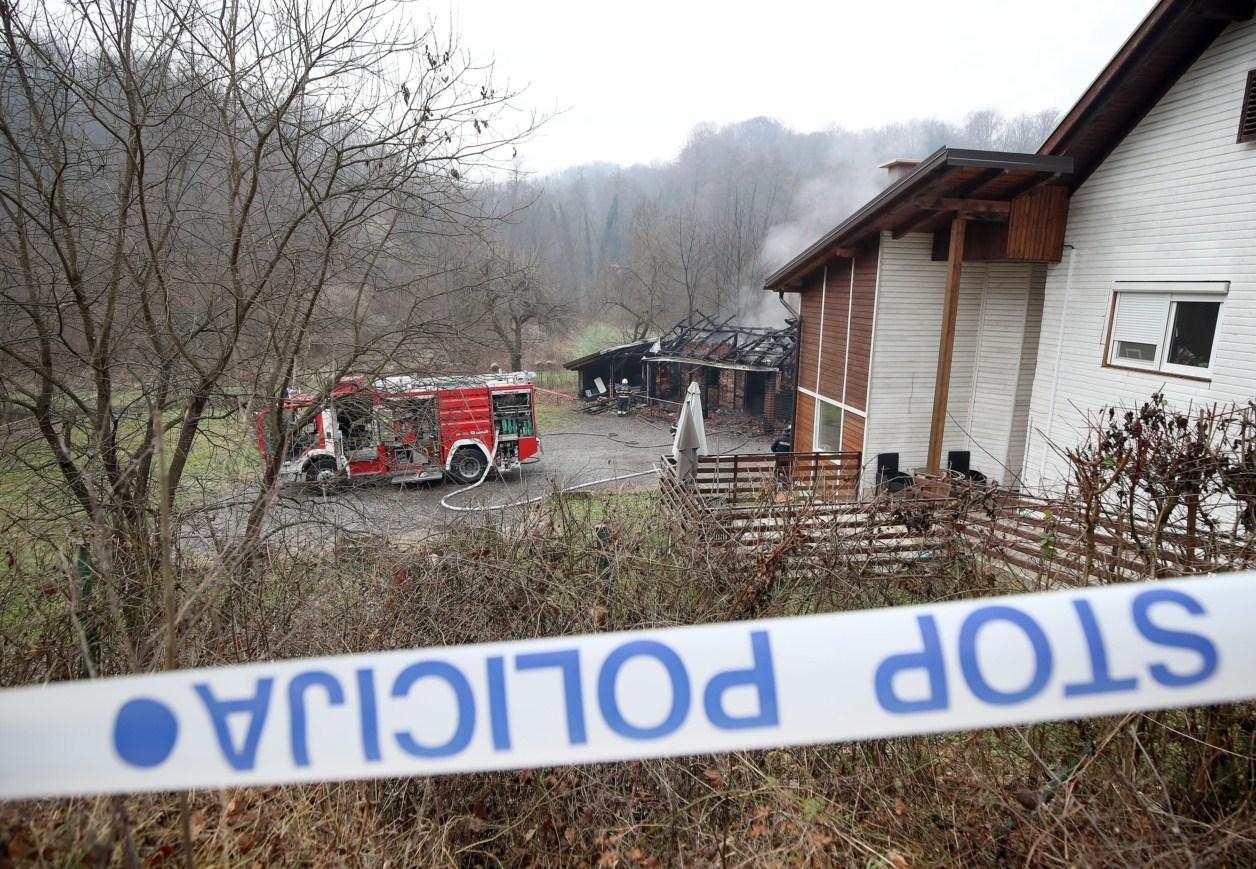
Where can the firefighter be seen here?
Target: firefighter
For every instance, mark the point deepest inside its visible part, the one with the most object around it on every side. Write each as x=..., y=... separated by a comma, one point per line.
x=623, y=400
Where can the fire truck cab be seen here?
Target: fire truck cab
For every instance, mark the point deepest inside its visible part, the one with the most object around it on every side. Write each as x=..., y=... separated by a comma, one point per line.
x=409, y=429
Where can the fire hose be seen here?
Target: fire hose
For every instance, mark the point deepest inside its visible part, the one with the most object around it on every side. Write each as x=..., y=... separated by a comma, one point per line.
x=482, y=509
x=444, y=502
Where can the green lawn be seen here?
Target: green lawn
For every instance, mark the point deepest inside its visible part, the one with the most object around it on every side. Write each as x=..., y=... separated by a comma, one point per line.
x=37, y=512
x=34, y=495
x=552, y=416
x=559, y=380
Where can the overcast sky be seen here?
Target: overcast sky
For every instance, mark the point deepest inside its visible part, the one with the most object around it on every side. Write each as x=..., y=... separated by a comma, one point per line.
x=631, y=79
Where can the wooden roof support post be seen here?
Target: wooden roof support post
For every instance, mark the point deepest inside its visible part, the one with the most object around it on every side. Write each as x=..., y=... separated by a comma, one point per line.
x=946, y=343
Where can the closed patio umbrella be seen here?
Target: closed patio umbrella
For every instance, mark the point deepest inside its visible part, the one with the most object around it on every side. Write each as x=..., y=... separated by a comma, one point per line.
x=690, y=441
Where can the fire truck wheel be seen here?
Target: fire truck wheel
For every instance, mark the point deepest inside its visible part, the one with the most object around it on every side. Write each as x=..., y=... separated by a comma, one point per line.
x=322, y=472
x=468, y=465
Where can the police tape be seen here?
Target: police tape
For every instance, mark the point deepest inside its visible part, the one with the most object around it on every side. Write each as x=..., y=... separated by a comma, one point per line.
x=642, y=694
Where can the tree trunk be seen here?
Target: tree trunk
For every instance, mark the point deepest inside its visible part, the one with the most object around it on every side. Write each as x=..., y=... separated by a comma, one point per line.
x=516, y=348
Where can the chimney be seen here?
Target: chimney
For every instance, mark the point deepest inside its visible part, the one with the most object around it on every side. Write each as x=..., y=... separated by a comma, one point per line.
x=899, y=167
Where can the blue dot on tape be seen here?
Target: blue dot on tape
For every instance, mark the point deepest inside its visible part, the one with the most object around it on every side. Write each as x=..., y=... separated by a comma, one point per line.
x=144, y=732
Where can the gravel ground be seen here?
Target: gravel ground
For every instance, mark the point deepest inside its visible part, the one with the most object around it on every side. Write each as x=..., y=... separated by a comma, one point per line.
x=576, y=448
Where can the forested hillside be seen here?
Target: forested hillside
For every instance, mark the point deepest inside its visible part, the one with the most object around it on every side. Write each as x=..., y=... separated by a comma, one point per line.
x=635, y=248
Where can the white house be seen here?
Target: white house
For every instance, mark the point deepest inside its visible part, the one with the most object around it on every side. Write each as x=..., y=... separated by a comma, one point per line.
x=1157, y=286
x=977, y=307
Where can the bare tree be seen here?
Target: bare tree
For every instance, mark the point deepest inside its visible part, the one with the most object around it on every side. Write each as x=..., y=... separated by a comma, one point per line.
x=739, y=227
x=208, y=201
x=1027, y=132
x=637, y=295
x=516, y=294
x=675, y=243
x=982, y=128
x=687, y=241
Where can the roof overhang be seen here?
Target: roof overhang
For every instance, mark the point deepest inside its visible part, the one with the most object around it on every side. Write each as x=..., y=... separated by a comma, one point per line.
x=950, y=181
x=1171, y=38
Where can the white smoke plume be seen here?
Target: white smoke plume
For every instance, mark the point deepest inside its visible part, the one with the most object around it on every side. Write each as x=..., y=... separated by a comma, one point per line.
x=767, y=312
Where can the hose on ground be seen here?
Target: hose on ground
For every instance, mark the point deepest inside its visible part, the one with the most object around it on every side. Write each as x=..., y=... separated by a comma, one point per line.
x=637, y=445
x=444, y=502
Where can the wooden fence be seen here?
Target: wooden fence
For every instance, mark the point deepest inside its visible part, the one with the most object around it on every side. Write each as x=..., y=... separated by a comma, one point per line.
x=1053, y=540
x=755, y=478
x=1036, y=534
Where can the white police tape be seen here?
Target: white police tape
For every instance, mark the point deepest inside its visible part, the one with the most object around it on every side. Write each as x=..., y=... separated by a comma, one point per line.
x=709, y=688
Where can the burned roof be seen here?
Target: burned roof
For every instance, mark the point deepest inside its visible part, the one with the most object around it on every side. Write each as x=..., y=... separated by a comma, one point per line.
x=722, y=344
x=633, y=348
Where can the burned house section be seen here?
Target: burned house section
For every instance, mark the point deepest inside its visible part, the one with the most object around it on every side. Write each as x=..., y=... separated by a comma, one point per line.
x=741, y=369
x=597, y=374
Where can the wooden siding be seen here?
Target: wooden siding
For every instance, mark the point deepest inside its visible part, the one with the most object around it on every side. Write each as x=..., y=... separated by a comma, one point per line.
x=1175, y=200
x=852, y=433
x=863, y=304
x=836, y=307
x=1033, y=232
x=804, y=422
x=982, y=404
x=809, y=332
x=841, y=361
x=1036, y=225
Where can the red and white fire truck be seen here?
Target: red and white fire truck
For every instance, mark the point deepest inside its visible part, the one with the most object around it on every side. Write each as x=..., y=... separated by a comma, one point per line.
x=410, y=429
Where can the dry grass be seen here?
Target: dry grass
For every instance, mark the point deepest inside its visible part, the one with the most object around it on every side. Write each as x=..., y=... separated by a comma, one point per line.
x=1168, y=788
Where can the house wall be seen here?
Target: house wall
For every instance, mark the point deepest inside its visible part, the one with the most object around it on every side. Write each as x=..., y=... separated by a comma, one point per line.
x=836, y=304
x=1018, y=438
x=1176, y=200
x=835, y=345
x=810, y=304
x=1008, y=326
x=804, y=420
x=989, y=388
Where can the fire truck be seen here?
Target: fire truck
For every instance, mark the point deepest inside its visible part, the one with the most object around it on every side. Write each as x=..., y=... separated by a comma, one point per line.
x=409, y=429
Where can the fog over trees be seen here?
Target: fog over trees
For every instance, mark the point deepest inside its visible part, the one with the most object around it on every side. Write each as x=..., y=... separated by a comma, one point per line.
x=636, y=248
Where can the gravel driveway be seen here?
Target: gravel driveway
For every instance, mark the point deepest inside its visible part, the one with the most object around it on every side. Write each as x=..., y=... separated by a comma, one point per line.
x=576, y=448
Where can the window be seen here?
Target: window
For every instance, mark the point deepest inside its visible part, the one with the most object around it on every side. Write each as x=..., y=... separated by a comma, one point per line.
x=1169, y=327
x=1247, y=116
x=828, y=437
x=1190, y=336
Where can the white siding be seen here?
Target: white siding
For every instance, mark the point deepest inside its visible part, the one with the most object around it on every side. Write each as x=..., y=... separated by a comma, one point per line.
x=1025, y=381
x=999, y=401
x=983, y=401
x=1176, y=200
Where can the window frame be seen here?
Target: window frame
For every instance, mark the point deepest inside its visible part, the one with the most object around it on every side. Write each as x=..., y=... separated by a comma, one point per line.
x=1174, y=292
x=815, y=426
x=1191, y=370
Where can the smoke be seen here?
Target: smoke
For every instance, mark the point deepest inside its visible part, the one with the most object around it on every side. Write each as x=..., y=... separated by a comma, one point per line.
x=750, y=197
x=848, y=176
x=819, y=205
x=766, y=310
